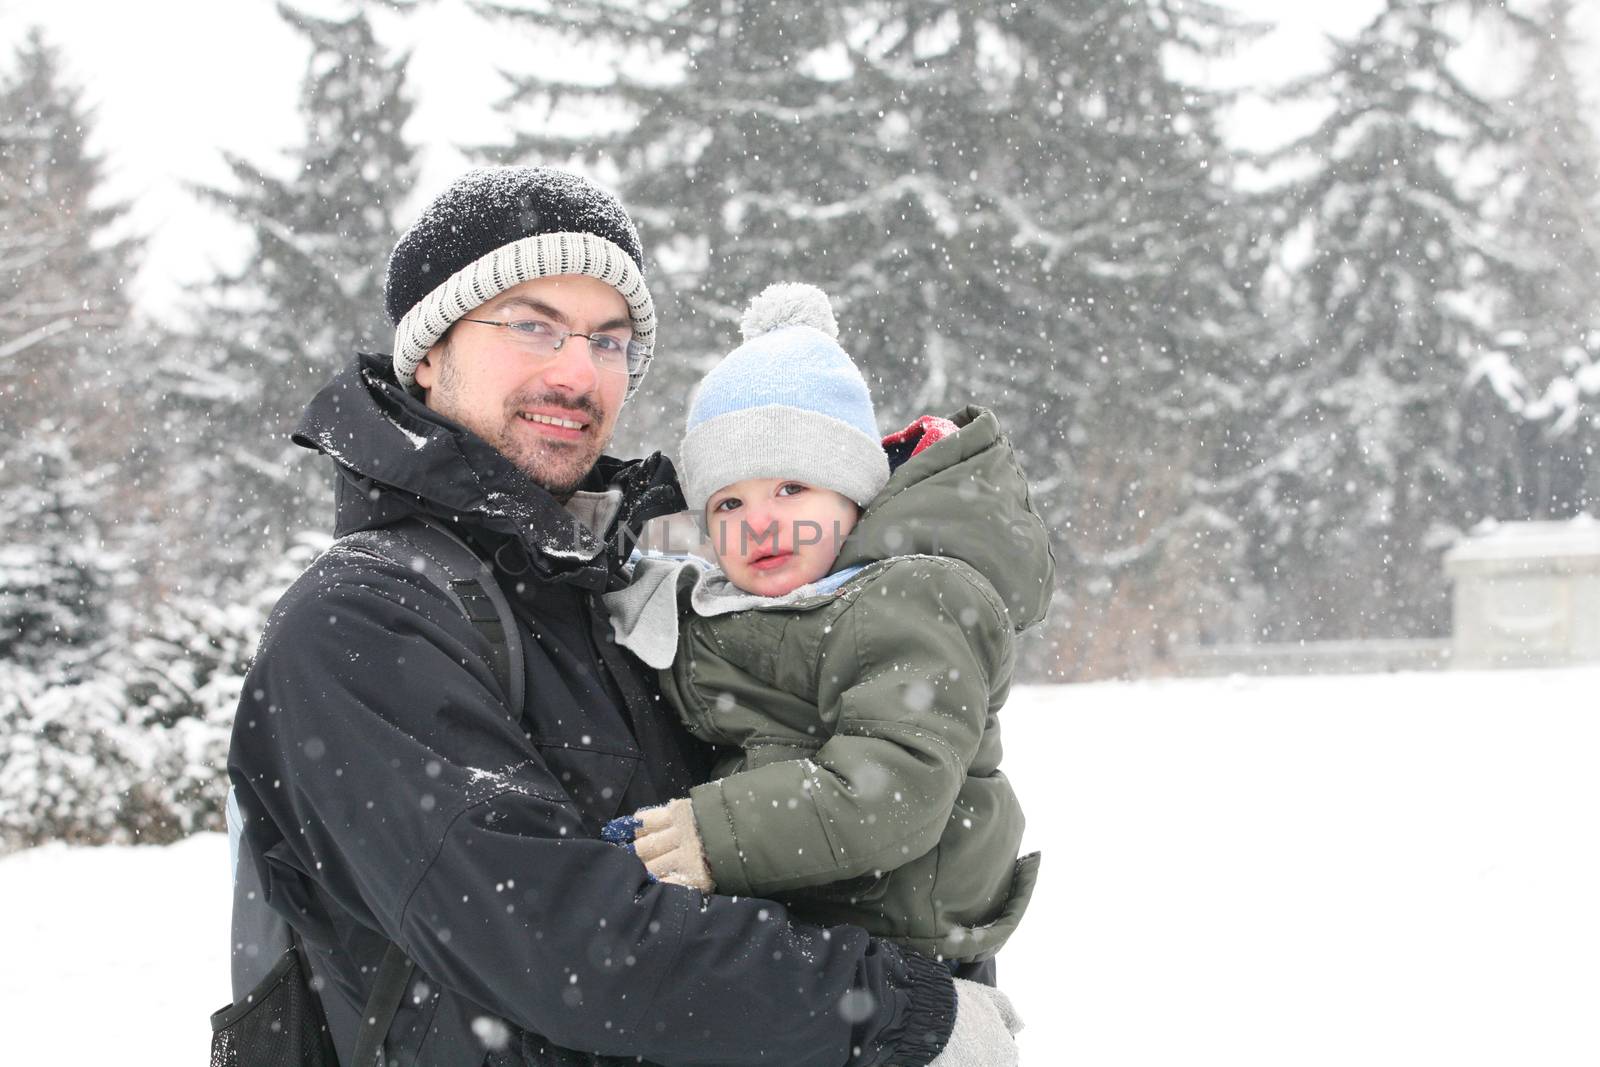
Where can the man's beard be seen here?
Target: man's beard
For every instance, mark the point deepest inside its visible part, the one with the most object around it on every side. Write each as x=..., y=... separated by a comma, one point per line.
x=559, y=467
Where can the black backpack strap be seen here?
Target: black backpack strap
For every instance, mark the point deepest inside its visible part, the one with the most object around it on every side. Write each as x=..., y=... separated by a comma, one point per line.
x=485, y=604
x=388, y=990
x=439, y=555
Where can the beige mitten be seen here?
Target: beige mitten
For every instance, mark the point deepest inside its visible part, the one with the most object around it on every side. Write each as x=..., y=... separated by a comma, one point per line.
x=985, y=1031
x=668, y=842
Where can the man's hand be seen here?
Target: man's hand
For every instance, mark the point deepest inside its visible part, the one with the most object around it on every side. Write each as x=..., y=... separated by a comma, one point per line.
x=985, y=1023
x=668, y=842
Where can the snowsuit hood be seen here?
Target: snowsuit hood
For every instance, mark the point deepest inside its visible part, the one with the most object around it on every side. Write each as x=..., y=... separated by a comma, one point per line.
x=964, y=497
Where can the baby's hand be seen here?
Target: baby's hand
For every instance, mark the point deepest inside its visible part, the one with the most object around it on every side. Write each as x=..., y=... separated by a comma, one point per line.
x=668, y=841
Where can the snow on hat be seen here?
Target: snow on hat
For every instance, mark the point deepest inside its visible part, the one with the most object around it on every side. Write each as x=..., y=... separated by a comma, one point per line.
x=497, y=227
x=788, y=403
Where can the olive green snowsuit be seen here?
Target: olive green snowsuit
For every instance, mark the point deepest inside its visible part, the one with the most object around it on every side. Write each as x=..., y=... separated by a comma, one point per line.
x=862, y=780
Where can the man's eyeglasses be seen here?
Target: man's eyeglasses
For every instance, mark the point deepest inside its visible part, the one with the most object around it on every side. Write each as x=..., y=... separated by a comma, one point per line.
x=542, y=340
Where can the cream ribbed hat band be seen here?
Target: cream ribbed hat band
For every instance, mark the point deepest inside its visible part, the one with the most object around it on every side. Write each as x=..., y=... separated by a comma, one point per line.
x=542, y=256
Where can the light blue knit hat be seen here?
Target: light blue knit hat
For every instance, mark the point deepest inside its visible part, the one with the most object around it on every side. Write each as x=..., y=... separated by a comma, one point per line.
x=788, y=403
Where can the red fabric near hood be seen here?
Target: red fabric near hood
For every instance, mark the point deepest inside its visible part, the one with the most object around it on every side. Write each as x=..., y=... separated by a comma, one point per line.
x=924, y=431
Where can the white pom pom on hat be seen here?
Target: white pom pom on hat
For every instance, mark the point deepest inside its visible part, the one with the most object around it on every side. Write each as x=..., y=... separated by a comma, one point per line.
x=788, y=304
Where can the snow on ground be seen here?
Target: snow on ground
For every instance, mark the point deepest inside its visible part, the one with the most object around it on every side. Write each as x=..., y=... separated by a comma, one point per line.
x=1372, y=870
x=113, y=955
x=1393, y=869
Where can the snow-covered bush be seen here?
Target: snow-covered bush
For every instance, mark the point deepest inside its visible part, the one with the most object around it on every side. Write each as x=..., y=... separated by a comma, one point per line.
x=135, y=749
x=71, y=761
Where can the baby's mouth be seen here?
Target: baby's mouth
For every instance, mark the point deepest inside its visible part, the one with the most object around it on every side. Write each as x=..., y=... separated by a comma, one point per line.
x=770, y=561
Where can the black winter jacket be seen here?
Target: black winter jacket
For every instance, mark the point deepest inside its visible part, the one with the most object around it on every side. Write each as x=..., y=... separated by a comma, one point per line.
x=387, y=794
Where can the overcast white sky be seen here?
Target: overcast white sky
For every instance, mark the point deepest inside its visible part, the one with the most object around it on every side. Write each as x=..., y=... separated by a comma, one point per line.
x=174, y=82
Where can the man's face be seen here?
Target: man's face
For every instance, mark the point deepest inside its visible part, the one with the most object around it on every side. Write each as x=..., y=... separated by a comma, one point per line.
x=551, y=417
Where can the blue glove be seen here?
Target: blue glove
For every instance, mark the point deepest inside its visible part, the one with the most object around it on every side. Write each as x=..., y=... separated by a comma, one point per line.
x=621, y=831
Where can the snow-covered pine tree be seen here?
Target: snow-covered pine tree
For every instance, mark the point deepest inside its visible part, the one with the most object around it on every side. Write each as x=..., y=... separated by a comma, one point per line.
x=62, y=304
x=773, y=142
x=1530, y=430
x=1383, y=249
x=64, y=370
x=991, y=194
x=1143, y=407
x=62, y=316
x=55, y=573
x=308, y=295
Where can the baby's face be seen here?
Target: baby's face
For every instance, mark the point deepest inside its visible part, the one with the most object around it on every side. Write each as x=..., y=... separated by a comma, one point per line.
x=773, y=535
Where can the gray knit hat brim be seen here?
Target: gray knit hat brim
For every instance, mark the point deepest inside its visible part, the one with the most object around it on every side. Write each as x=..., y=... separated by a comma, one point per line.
x=779, y=441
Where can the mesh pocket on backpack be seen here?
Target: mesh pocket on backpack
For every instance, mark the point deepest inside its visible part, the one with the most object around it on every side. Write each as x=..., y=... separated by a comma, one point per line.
x=279, y=1023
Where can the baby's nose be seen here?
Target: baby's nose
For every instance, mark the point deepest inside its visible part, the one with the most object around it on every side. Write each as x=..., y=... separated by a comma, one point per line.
x=763, y=530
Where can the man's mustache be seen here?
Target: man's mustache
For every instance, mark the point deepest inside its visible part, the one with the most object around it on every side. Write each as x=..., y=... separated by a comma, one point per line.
x=583, y=405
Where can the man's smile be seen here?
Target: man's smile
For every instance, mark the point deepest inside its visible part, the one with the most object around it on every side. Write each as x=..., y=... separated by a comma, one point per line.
x=563, y=426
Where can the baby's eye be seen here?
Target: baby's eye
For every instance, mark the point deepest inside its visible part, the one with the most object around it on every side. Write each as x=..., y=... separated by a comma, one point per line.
x=727, y=503
x=791, y=488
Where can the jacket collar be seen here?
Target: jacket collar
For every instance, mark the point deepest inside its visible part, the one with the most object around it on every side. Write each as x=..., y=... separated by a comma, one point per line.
x=397, y=457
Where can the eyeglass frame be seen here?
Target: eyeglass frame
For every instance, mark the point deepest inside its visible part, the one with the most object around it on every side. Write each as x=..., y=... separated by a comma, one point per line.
x=635, y=356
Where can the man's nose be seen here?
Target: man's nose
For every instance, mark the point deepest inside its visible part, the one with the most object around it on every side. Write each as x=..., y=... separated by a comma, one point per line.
x=571, y=367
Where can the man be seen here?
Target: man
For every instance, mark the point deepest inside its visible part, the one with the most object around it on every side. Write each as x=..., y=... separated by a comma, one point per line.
x=387, y=792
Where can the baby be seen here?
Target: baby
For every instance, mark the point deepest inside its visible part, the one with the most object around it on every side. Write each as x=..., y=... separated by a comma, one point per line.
x=850, y=650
